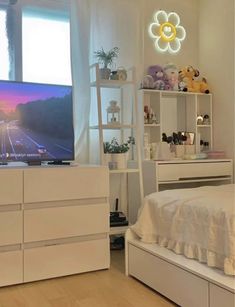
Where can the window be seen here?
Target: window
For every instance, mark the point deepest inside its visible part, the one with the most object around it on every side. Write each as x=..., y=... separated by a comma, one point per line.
x=46, y=47
x=35, y=41
x=4, y=55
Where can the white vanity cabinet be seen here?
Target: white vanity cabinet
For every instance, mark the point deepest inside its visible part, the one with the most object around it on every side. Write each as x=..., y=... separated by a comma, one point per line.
x=159, y=175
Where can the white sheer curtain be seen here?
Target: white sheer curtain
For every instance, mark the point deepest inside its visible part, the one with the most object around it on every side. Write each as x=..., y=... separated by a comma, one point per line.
x=80, y=50
x=96, y=24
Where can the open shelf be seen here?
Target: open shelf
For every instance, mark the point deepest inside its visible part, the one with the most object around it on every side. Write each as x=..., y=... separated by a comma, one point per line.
x=126, y=170
x=110, y=83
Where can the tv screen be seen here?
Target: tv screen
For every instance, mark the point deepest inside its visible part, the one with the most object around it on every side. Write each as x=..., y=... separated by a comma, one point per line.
x=36, y=122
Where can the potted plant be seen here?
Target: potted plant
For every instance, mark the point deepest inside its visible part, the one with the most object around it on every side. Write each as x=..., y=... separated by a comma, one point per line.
x=119, y=152
x=106, y=59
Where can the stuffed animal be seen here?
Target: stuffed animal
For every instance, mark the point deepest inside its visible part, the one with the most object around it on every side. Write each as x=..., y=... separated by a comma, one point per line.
x=159, y=77
x=187, y=76
x=171, y=72
x=147, y=82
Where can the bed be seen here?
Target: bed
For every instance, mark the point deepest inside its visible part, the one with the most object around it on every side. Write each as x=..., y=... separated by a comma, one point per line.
x=183, y=245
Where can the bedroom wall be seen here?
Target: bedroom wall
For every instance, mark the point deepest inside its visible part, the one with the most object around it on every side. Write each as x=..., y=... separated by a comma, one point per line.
x=189, y=14
x=216, y=59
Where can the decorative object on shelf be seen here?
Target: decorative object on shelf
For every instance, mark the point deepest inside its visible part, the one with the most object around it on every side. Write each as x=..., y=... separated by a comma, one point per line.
x=167, y=32
x=181, y=143
x=199, y=120
x=150, y=117
x=122, y=74
x=113, y=113
x=159, y=77
x=188, y=75
x=178, y=138
x=114, y=75
x=206, y=119
x=147, y=82
x=171, y=72
x=106, y=59
x=216, y=154
x=119, y=152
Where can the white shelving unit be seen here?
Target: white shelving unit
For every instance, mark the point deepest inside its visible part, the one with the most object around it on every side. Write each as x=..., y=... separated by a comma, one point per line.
x=124, y=92
x=177, y=111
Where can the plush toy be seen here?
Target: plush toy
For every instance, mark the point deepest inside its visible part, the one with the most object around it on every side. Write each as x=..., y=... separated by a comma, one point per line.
x=159, y=77
x=147, y=82
x=187, y=76
x=171, y=72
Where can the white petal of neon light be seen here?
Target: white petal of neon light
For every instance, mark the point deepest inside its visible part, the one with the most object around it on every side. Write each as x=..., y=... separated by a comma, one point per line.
x=174, y=46
x=174, y=19
x=161, y=45
x=160, y=17
x=154, y=28
x=180, y=33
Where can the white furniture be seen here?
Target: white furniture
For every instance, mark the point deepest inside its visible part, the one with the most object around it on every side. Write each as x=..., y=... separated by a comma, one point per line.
x=176, y=111
x=124, y=93
x=182, y=173
x=184, y=281
x=54, y=221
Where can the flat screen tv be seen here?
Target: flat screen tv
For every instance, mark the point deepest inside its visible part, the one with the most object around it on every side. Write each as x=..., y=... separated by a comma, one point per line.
x=36, y=122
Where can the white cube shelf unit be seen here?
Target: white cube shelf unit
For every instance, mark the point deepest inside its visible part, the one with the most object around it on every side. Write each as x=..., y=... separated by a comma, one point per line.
x=176, y=111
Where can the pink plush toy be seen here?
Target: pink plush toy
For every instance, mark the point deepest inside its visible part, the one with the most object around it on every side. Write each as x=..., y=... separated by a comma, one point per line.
x=172, y=76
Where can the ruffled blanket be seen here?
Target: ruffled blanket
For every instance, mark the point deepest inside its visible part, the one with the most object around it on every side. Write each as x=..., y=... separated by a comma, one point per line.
x=198, y=223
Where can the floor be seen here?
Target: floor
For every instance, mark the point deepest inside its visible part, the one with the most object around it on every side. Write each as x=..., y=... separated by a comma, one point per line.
x=106, y=288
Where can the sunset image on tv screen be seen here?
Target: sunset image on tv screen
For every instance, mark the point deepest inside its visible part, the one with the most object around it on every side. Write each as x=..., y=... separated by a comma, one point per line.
x=36, y=122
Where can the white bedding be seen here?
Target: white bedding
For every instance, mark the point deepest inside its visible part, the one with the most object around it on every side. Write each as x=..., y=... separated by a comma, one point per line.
x=199, y=223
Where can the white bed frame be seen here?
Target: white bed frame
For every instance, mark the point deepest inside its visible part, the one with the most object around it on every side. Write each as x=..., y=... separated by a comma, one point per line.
x=186, y=282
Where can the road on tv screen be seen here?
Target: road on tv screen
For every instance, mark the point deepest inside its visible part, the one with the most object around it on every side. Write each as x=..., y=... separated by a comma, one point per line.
x=19, y=144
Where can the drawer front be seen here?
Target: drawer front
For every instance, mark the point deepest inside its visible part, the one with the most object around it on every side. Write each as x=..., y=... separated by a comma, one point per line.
x=11, y=268
x=11, y=229
x=61, y=222
x=11, y=187
x=172, y=172
x=65, y=183
x=221, y=297
x=61, y=260
x=164, y=278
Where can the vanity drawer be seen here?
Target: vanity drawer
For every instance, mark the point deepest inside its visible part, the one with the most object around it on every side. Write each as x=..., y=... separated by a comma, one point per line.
x=11, y=230
x=69, y=221
x=11, y=268
x=181, y=171
x=60, y=260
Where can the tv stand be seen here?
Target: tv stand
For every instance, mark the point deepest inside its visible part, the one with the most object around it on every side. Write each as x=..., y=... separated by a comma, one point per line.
x=58, y=162
x=33, y=163
x=3, y=163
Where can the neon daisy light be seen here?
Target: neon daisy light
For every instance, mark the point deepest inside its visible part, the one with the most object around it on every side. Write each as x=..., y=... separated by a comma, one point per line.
x=167, y=32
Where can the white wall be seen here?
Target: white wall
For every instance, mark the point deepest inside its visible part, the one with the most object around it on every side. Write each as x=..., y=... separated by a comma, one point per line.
x=216, y=58
x=189, y=15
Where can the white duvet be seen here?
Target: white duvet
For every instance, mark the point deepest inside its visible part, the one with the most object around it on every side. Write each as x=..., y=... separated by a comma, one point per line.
x=199, y=223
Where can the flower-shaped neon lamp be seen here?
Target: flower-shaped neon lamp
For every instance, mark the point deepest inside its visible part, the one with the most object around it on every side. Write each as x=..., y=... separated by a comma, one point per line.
x=167, y=32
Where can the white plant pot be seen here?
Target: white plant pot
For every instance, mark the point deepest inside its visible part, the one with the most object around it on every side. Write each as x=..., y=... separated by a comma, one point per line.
x=107, y=159
x=120, y=160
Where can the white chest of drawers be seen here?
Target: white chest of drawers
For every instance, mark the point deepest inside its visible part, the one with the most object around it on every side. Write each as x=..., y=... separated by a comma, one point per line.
x=54, y=221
